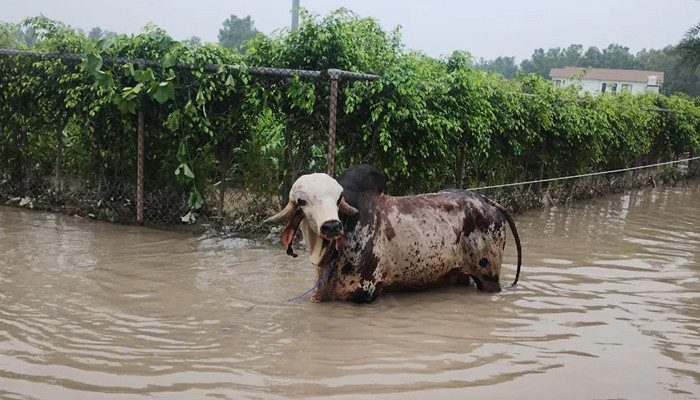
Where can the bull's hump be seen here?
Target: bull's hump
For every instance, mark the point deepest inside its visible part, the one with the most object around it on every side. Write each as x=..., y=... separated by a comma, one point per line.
x=409, y=205
x=363, y=178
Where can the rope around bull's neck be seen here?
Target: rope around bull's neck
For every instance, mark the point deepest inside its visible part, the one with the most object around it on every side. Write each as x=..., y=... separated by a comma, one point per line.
x=323, y=278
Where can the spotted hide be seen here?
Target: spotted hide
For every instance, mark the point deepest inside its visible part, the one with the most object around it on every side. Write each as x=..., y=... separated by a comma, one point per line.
x=377, y=242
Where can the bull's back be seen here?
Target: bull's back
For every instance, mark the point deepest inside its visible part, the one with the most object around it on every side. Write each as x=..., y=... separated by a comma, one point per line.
x=421, y=239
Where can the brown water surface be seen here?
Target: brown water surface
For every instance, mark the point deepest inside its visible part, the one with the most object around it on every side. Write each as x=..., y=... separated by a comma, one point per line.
x=608, y=308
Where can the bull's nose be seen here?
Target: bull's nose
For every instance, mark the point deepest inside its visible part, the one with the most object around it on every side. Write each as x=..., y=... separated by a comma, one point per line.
x=331, y=228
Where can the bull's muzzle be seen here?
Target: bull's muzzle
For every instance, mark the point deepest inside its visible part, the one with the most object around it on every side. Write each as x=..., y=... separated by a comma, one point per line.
x=331, y=229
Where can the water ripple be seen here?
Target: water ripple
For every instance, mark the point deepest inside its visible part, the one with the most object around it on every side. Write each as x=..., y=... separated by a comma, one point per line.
x=606, y=308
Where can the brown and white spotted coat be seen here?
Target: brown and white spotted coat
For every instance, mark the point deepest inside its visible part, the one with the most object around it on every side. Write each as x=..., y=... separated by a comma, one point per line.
x=395, y=243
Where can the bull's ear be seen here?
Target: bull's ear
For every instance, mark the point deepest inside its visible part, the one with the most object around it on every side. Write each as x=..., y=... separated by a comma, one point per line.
x=346, y=208
x=283, y=215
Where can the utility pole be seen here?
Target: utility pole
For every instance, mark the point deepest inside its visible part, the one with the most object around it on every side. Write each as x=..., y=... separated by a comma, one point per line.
x=295, y=14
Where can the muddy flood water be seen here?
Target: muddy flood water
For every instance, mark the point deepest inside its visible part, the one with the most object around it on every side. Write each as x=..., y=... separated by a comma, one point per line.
x=608, y=307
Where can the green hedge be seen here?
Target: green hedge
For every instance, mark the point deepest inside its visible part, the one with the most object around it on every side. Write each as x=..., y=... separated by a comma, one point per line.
x=429, y=123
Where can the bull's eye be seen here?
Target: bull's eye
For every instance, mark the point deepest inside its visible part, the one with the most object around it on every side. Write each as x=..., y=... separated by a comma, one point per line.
x=301, y=202
x=339, y=198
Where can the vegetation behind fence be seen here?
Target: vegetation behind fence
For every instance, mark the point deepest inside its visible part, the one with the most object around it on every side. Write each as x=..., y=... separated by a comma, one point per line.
x=223, y=145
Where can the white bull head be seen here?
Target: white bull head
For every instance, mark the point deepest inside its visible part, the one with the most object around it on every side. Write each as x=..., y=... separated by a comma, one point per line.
x=315, y=203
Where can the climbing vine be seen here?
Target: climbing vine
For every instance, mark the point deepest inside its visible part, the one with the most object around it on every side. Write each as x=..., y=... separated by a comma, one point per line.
x=429, y=123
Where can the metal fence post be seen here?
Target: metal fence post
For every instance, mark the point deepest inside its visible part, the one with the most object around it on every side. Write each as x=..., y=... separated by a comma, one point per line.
x=139, y=170
x=334, y=74
x=139, y=167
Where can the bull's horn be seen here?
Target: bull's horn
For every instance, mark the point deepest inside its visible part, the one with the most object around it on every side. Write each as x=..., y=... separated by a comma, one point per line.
x=283, y=215
x=346, y=208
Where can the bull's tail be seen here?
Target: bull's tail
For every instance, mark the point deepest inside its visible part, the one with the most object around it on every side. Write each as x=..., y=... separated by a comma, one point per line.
x=511, y=223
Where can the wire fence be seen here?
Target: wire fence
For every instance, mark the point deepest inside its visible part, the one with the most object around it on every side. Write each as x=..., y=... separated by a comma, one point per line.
x=239, y=199
x=225, y=203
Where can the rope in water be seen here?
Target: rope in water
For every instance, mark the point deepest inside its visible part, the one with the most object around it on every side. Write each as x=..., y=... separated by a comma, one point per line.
x=323, y=278
x=585, y=175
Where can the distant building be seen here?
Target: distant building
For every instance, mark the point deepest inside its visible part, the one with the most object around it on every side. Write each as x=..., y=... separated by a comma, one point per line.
x=601, y=80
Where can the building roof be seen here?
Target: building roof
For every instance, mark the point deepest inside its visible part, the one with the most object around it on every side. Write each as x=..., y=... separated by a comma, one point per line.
x=603, y=74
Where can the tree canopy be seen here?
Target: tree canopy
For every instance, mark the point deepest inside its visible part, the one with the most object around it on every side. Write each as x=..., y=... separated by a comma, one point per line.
x=97, y=33
x=236, y=31
x=689, y=48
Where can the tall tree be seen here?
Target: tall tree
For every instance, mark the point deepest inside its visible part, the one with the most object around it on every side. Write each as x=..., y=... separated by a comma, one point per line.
x=193, y=41
x=614, y=56
x=542, y=62
x=689, y=47
x=655, y=60
x=459, y=60
x=29, y=35
x=97, y=33
x=571, y=56
x=505, y=66
x=236, y=31
x=12, y=36
x=592, y=58
x=677, y=76
x=537, y=64
x=617, y=57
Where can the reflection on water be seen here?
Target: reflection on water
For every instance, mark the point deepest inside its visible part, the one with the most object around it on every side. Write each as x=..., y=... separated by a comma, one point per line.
x=607, y=308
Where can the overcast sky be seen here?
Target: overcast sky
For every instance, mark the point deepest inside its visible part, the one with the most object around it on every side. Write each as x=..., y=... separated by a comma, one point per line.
x=488, y=29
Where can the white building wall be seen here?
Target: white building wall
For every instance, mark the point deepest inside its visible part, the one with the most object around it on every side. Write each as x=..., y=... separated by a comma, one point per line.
x=594, y=86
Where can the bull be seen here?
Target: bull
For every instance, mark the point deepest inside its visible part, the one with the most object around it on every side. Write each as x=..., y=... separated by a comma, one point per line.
x=363, y=241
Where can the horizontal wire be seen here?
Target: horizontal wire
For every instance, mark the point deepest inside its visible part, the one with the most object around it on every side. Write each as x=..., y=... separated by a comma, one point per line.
x=585, y=175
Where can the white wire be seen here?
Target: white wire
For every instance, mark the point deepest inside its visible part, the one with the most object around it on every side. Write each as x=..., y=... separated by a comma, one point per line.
x=585, y=175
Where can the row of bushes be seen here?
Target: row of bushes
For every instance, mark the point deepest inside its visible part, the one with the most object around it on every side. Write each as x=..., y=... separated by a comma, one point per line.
x=429, y=123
